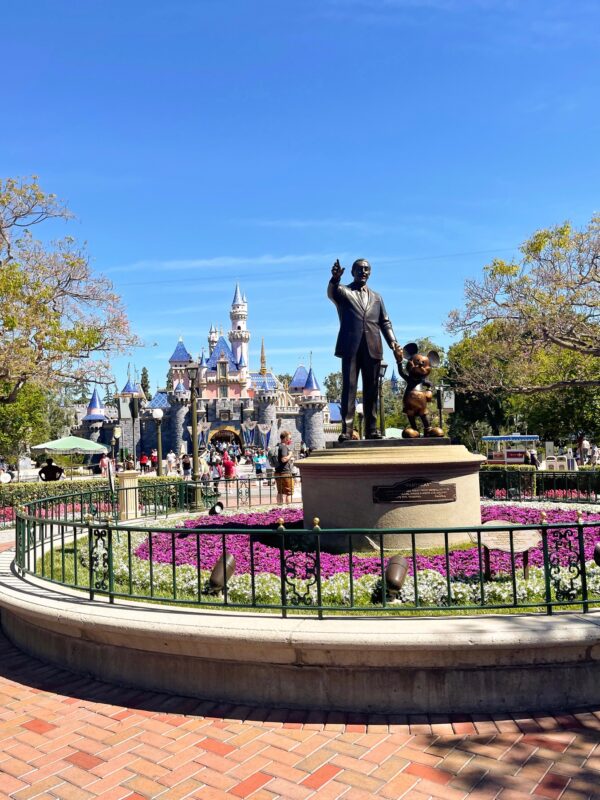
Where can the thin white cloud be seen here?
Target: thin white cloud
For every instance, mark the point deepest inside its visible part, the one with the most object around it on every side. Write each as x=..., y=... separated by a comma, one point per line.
x=223, y=262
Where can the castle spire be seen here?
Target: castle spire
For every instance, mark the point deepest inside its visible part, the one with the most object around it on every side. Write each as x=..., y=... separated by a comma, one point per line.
x=263, y=359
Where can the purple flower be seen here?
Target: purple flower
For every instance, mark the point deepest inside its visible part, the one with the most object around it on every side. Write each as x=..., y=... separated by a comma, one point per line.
x=206, y=547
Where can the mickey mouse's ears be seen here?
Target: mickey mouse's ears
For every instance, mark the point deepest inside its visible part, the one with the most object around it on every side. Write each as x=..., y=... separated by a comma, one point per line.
x=434, y=358
x=409, y=350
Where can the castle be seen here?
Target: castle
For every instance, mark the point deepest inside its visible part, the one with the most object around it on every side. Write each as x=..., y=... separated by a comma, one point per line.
x=233, y=402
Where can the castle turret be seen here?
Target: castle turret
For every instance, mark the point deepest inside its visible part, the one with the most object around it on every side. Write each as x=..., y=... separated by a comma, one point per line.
x=312, y=405
x=178, y=363
x=239, y=335
x=95, y=417
x=213, y=338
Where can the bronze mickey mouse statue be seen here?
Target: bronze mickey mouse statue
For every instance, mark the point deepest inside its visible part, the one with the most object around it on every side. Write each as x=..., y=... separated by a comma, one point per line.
x=418, y=390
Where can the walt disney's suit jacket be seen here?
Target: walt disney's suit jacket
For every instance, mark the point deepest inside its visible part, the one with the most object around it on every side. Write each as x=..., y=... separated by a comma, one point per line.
x=360, y=316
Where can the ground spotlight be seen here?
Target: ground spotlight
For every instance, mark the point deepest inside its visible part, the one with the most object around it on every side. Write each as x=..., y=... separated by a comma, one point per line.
x=597, y=553
x=216, y=509
x=222, y=572
x=395, y=575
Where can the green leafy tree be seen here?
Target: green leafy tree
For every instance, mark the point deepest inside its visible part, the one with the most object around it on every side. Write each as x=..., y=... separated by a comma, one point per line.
x=145, y=383
x=169, y=385
x=547, y=300
x=58, y=321
x=25, y=422
x=333, y=387
x=285, y=378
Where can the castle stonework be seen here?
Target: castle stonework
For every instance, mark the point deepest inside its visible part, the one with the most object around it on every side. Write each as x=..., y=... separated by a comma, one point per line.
x=233, y=402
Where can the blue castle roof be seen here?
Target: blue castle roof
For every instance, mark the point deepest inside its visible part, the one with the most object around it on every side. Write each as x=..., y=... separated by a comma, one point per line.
x=180, y=388
x=129, y=388
x=95, y=409
x=221, y=349
x=237, y=297
x=299, y=380
x=335, y=412
x=262, y=382
x=160, y=400
x=311, y=382
x=180, y=354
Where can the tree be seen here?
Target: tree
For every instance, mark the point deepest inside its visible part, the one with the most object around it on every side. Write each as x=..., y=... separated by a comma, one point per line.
x=333, y=387
x=549, y=298
x=169, y=384
x=284, y=379
x=58, y=321
x=24, y=422
x=145, y=383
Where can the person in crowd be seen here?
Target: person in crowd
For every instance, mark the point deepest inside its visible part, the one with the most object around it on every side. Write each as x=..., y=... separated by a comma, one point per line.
x=51, y=471
x=144, y=462
x=284, y=478
x=103, y=464
x=171, y=463
x=594, y=454
x=186, y=466
x=526, y=458
x=533, y=459
x=228, y=466
x=154, y=459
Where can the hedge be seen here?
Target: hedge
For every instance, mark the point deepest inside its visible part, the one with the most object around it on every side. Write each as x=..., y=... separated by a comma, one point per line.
x=16, y=494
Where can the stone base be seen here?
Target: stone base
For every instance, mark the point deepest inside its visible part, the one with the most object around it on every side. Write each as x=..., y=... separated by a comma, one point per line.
x=392, y=485
x=128, y=483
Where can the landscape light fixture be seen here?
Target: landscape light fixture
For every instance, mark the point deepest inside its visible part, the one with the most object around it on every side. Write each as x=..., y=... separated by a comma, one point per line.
x=157, y=416
x=192, y=373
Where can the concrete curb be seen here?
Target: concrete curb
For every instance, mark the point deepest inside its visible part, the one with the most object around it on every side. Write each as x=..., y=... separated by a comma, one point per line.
x=388, y=665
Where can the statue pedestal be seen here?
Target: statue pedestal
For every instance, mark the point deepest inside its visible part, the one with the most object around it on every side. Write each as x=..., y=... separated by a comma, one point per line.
x=128, y=495
x=418, y=483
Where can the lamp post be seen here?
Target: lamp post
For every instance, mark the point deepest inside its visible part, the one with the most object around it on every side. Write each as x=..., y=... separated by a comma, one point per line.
x=115, y=439
x=157, y=416
x=382, y=369
x=192, y=373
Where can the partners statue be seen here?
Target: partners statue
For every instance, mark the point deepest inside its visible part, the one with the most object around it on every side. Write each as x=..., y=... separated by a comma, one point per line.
x=362, y=317
x=418, y=390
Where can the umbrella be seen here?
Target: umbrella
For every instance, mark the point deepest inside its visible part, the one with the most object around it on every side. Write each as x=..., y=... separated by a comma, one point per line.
x=70, y=445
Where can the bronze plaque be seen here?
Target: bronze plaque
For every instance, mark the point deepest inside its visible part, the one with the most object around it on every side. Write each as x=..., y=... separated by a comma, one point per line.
x=415, y=490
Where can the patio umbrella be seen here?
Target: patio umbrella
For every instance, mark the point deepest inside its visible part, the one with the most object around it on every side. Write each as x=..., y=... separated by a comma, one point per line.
x=70, y=445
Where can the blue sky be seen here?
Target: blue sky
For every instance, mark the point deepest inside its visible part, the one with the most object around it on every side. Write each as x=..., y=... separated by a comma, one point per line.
x=200, y=142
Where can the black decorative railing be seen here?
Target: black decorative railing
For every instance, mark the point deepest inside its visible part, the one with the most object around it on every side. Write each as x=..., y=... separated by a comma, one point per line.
x=538, y=567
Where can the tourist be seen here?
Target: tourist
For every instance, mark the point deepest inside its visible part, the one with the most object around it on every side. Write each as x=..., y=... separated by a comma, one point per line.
x=186, y=466
x=154, y=460
x=171, y=462
x=533, y=459
x=144, y=463
x=284, y=478
x=51, y=471
x=595, y=452
x=228, y=466
x=103, y=464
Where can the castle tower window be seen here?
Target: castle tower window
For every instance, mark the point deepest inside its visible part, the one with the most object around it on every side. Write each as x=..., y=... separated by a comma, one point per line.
x=222, y=391
x=222, y=371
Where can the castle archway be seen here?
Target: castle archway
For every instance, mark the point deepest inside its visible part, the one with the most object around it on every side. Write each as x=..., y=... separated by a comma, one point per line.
x=225, y=434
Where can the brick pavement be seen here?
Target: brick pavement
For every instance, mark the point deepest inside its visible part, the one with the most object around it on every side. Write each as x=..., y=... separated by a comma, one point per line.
x=69, y=737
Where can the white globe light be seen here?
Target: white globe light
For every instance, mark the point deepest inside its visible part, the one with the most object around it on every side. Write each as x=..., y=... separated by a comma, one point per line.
x=157, y=414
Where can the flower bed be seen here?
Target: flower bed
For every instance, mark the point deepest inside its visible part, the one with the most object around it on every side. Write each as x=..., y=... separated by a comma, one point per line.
x=461, y=586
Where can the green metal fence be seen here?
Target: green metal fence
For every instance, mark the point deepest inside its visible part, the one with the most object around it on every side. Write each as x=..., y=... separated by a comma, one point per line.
x=293, y=570
x=520, y=485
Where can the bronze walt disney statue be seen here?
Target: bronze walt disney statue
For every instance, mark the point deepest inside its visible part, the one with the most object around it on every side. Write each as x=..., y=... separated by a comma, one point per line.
x=362, y=318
